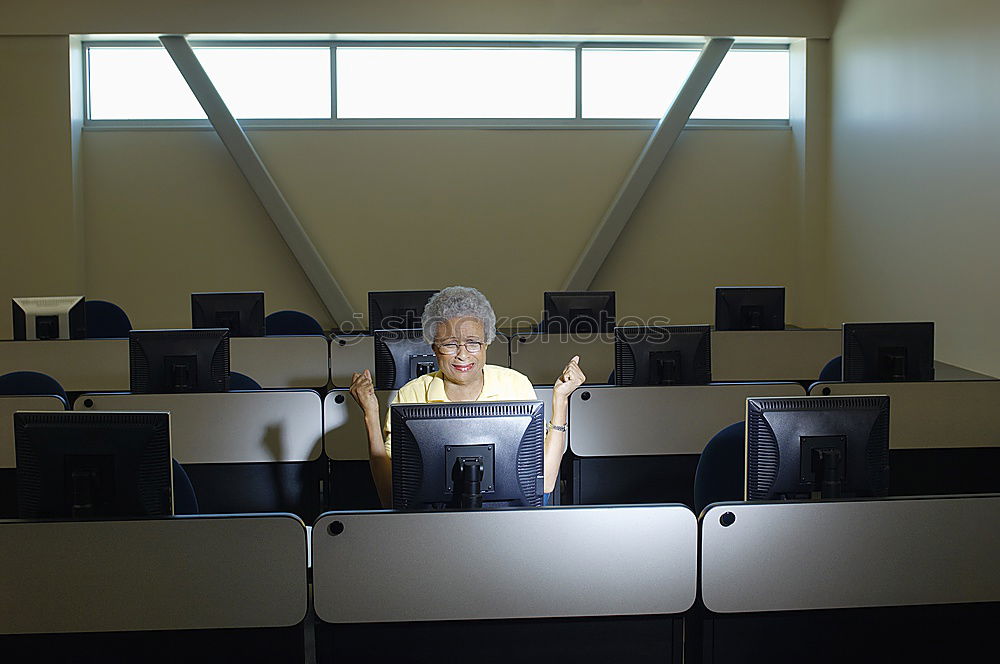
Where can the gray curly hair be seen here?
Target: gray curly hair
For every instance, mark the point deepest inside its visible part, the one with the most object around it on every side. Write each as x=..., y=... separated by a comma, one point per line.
x=458, y=302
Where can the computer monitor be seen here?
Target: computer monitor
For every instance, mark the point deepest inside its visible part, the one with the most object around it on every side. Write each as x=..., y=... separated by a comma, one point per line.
x=749, y=308
x=242, y=313
x=885, y=352
x=401, y=356
x=93, y=464
x=168, y=361
x=467, y=454
x=37, y=318
x=397, y=310
x=656, y=355
x=817, y=447
x=578, y=312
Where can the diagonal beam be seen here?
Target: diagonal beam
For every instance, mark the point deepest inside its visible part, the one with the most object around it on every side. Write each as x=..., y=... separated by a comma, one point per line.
x=256, y=174
x=637, y=181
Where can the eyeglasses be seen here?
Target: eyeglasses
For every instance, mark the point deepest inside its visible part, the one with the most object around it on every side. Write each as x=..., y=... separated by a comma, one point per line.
x=451, y=348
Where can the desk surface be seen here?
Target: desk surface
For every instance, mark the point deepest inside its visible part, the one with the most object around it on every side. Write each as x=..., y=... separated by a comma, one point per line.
x=850, y=554
x=518, y=563
x=204, y=572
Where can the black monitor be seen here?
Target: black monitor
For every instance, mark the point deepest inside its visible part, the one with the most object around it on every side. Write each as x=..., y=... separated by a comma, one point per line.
x=37, y=318
x=467, y=454
x=886, y=352
x=749, y=308
x=397, y=310
x=578, y=312
x=817, y=447
x=655, y=355
x=93, y=464
x=168, y=361
x=401, y=356
x=242, y=313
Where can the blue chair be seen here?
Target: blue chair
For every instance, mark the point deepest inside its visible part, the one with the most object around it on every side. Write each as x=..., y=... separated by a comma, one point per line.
x=238, y=381
x=720, y=474
x=291, y=322
x=185, y=500
x=833, y=371
x=32, y=383
x=106, y=320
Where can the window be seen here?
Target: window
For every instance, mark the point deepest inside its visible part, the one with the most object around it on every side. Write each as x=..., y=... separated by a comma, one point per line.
x=331, y=83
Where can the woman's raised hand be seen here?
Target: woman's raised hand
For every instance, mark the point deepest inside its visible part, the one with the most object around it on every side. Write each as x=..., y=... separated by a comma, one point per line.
x=571, y=378
x=363, y=392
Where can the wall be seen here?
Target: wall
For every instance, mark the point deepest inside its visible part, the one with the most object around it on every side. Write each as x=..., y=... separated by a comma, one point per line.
x=915, y=151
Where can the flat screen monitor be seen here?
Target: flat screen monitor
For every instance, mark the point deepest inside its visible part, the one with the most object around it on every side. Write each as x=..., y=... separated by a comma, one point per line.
x=886, y=352
x=169, y=361
x=401, y=356
x=566, y=312
x=37, y=318
x=241, y=313
x=749, y=308
x=397, y=310
x=663, y=355
x=467, y=454
x=93, y=464
x=817, y=447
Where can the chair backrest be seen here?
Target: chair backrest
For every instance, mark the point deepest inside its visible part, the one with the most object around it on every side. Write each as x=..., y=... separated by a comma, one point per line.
x=239, y=381
x=833, y=370
x=106, y=320
x=31, y=382
x=720, y=472
x=185, y=500
x=291, y=322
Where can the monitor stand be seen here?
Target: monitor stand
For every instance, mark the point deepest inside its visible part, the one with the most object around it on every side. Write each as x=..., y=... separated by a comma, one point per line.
x=472, y=483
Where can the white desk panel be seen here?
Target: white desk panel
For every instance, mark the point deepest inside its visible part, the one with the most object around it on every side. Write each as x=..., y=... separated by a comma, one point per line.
x=231, y=427
x=850, y=554
x=282, y=362
x=541, y=357
x=517, y=563
x=10, y=405
x=78, y=364
x=934, y=414
x=674, y=419
x=202, y=572
x=350, y=353
x=773, y=354
x=345, y=437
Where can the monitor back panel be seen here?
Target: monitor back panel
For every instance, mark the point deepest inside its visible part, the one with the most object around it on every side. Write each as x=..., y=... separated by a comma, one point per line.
x=455, y=565
x=678, y=419
x=204, y=572
x=773, y=354
x=231, y=427
x=933, y=414
x=849, y=554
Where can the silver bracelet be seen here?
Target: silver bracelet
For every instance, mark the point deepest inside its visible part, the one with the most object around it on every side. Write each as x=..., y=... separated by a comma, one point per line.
x=562, y=428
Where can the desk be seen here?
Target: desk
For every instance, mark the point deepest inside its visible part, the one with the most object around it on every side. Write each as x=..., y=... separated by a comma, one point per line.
x=203, y=572
x=350, y=353
x=344, y=435
x=496, y=564
x=933, y=414
x=99, y=365
x=773, y=354
x=542, y=357
x=230, y=427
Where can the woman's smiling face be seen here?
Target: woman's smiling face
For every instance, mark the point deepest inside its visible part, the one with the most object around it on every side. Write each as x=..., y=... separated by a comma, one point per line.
x=464, y=367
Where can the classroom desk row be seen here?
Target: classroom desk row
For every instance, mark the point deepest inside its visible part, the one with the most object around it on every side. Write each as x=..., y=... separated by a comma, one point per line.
x=605, y=421
x=620, y=581
x=316, y=362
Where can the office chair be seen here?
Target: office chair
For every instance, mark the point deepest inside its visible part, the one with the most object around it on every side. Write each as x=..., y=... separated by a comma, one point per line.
x=238, y=381
x=720, y=472
x=291, y=322
x=106, y=320
x=833, y=371
x=25, y=383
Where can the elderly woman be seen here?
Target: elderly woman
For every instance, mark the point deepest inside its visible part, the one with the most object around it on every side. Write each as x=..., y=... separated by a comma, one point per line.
x=459, y=324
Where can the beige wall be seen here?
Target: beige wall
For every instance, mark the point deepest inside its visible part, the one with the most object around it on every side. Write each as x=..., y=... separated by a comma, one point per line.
x=507, y=211
x=914, y=185
x=795, y=18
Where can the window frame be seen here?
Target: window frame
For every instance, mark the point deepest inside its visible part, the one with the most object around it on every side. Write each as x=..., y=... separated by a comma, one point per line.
x=577, y=122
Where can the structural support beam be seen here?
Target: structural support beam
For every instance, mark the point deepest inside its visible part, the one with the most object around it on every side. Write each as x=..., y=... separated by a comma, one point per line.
x=637, y=181
x=256, y=174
